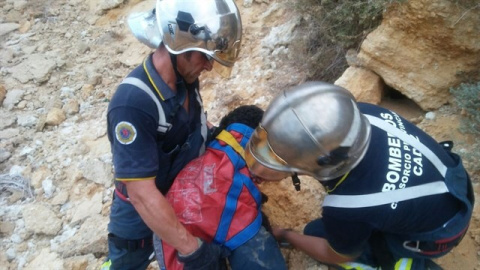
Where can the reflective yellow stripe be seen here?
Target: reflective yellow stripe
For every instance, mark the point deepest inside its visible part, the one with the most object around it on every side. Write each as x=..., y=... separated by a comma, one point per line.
x=106, y=265
x=356, y=266
x=404, y=264
x=228, y=138
x=346, y=266
x=151, y=80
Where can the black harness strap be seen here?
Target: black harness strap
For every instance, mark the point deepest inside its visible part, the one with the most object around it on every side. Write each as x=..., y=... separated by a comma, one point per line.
x=130, y=245
x=181, y=88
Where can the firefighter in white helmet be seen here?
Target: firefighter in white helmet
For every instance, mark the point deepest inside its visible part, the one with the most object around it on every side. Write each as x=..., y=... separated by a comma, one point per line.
x=396, y=197
x=156, y=125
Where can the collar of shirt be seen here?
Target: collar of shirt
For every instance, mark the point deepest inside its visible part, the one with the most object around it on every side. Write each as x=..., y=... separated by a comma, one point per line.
x=162, y=89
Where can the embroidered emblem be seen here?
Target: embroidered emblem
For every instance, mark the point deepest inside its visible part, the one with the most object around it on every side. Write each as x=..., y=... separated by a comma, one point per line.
x=125, y=133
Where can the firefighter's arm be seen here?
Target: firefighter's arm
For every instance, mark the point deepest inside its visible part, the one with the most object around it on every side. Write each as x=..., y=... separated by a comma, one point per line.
x=159, y=215
x=316, y=247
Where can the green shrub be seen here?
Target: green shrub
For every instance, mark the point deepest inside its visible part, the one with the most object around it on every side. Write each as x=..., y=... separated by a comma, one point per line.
x=467, y=96
x=348, y=22
x=332, y=27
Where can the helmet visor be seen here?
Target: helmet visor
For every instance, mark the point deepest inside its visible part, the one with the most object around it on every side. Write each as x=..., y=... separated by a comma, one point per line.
x=224, y=71
x=218, y=36
x=221, y=37
x=262, y=160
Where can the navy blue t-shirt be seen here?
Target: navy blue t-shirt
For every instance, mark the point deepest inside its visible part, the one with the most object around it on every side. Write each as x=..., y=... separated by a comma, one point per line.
x=389, y=164
x=140, y=151
x=133, y=121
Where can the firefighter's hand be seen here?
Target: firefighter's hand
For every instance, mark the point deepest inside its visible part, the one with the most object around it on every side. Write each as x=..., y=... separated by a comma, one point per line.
x=278, y=233
x=280, y=236
x=206, y=257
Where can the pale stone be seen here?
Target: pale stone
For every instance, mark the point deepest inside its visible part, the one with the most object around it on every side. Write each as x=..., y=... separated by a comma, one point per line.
x=46, y=260
x=11, y=254
x=27, y=120
x=71, y=107
x=60, y=198
x=3, y=93
x=35, y=67
x=6, y=122
x=87, y=207
x=16, y=195
x=97, y=171
x=20, y=5
x=86, y=91
x=90, y=238
x=430, y=115
x=365, y=85
x=39, y=219
x=38, y=176
x=6, y=56
x=4, y=155
x=25, y=27
x=247, y=3
x=12, y=97
x=79, y=262
x=48, y=187
x=99, y=7
x=9, y=133
x=4, y=261
x=133, y=55
x=55, y=117
x=6, y=227
x=281, y=35
x=16, y=170
x=22, y=104
x=6, y=28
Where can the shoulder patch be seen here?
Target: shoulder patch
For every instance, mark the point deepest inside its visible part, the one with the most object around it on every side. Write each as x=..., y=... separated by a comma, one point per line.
x=125, y=133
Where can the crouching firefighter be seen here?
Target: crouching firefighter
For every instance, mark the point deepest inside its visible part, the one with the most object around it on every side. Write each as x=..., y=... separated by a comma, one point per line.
x=396, y=197
x=215, y=198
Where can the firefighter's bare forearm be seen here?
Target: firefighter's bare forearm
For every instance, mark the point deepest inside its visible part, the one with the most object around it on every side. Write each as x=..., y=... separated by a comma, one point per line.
x=159, y=215
x=316, y=247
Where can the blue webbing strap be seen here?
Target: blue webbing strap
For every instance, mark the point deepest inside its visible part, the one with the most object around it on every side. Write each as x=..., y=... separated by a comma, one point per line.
x=239, y=181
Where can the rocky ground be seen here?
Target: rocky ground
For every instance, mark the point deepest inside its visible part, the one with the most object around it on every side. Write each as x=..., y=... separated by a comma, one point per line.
x=60, y=61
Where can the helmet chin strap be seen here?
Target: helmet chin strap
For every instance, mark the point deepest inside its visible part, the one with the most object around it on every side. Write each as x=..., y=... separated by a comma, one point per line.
x=180, y=82
x=296, y=181
x=173, y=59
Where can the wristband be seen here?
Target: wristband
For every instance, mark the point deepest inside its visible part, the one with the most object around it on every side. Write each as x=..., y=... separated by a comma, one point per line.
x=282, y=241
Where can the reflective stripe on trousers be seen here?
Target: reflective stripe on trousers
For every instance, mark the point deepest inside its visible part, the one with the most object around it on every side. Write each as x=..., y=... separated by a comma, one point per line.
x=402, y=264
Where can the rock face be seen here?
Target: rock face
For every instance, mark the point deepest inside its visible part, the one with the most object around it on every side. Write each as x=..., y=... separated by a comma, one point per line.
x=365, y=85
x=61, y=61
x=3, y=93
x=422, y=46
x=35, y=67
x=50, y=224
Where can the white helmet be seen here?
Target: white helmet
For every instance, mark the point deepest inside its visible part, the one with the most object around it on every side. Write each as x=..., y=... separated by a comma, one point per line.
x=213, y=27
x=314, y=129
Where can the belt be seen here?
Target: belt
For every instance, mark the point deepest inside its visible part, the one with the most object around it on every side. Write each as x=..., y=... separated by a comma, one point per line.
x=435, y=247
x=130, y=245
